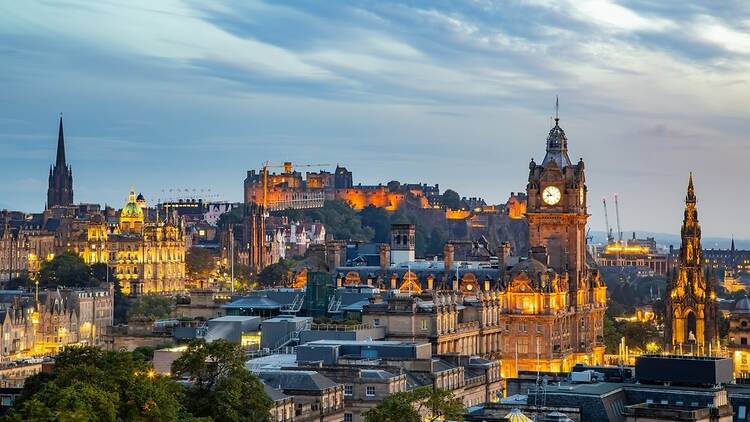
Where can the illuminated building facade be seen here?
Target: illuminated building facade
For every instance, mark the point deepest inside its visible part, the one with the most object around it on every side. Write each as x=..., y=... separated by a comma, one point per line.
x=289, y=189
x=24, y=245
x=732, y=259
x=691, y=317
x=60, y=317
x=739, y=338
x=148, y=256
x=544, y=311
x=640, y=253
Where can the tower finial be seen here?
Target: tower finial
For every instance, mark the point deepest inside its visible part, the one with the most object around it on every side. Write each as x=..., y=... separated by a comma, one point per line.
x=557, y=108
x=690, y=190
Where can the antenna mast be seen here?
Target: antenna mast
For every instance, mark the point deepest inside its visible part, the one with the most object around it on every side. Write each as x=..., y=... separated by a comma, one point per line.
x=608, y=229
x=619, y=229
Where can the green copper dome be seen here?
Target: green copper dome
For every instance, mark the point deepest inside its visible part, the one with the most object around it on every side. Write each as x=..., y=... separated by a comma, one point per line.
x=131, y=209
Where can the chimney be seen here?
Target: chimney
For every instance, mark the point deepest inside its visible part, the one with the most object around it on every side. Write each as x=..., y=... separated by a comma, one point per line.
x=385, y=257
x=504, y=253
x=448, y=252
x=335, y=256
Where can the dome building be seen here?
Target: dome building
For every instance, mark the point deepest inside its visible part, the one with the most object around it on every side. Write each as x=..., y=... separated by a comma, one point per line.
x=147, y=255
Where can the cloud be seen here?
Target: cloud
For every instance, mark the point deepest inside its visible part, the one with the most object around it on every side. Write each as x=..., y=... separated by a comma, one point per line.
x=188, y=92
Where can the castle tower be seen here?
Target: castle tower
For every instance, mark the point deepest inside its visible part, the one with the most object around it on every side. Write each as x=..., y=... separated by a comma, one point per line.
x=60, y=190
x=691, y=303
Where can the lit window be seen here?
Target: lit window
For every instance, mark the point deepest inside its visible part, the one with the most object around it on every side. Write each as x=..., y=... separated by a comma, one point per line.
x=424, y=325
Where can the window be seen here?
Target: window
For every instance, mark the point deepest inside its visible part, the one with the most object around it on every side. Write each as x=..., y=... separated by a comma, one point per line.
x=370, y=391
x=424, y=325
x=743, y=341
x=649, y=401
x=376, y=322
x=741, y=412
x=348, y=417
x=348, y=389
x=539, y=328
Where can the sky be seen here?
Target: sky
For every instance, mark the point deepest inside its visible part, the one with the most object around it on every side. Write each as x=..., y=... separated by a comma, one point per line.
x=190, y=95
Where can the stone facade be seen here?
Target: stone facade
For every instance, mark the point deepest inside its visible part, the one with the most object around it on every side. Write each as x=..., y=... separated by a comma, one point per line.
x=148, y=255
x=691, y=317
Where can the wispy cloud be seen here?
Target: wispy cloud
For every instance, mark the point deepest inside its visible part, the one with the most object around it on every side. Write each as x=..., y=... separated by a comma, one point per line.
x=189, y=92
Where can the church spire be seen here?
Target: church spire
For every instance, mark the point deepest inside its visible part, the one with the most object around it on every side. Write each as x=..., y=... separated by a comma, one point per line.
x=60, y=146
x=60, y=190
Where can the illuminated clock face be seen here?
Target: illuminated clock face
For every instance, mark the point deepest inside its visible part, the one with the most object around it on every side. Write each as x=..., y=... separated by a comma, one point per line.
x=551, y=195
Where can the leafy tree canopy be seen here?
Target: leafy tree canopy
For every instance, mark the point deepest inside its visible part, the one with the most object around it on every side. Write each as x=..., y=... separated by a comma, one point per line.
x=67, y=269
x=276, y=274
x=157, y=307
x=222, y=388
x=200, y=262
x=89, y=384
x=451, y=199
x=414, y=406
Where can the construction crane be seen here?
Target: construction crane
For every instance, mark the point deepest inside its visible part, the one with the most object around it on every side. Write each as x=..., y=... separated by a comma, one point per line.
x=288, y=169
x=608, y=229
x=619, y=229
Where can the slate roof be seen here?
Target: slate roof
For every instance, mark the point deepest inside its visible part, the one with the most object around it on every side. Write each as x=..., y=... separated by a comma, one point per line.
x=296, y=380
x=255, y=302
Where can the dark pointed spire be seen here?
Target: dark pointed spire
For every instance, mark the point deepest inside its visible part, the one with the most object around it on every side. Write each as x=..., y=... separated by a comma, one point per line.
x=732, y=247
x=60, y=146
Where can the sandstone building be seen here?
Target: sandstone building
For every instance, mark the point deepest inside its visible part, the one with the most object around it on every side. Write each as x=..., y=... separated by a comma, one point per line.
x=691, y=312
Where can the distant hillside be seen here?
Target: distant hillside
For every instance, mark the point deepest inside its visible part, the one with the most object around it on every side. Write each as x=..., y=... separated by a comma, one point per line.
x=666, y=239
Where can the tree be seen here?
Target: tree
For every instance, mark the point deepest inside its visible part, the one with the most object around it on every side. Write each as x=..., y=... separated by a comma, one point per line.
x=378, y=220
x=222, y=388
x=20, y=283
x=200, y=262
x=95, y=385
x=451, y=199
x=67, y=269
x=157, y=307
x=395, y=407
x=275, y=274
x=431, y=404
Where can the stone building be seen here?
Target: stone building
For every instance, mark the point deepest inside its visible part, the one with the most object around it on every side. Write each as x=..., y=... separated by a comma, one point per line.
x=738, y=343
x=33, y=324
x=147, y=255
x=544, y=311
x=24, y=245
x=691, y=316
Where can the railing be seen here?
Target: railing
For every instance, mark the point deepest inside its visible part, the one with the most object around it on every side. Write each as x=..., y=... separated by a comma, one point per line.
x=295, y=306
x=334, y=305
x=478, y=380
x=340, y=327
x=290, y=337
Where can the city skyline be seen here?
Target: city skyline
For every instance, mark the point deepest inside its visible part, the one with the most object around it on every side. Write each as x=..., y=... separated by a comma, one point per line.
x=463, y=99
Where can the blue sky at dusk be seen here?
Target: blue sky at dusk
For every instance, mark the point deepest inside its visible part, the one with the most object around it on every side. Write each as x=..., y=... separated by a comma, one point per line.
x=180, y=94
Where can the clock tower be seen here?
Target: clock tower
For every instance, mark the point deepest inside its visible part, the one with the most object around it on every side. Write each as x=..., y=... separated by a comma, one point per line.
x=556, y=210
